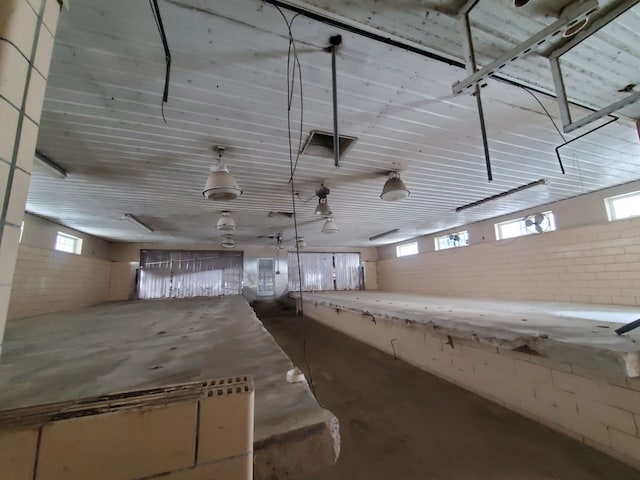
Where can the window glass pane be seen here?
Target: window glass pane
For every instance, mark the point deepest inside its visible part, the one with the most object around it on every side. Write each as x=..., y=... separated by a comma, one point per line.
x=452, y=240
x=407, y=249
x=624, y=206
x=68, y=243
x=537, y=223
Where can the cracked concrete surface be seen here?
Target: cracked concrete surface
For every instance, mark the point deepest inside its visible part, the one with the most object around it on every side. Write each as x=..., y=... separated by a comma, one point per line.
x=126, y=345
x=580, y=334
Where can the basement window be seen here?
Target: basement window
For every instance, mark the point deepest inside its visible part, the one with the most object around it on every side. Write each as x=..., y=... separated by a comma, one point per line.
x=530, y=224
x=407, y=249
x=68, y=243
x=452, y=240
x=623, y=206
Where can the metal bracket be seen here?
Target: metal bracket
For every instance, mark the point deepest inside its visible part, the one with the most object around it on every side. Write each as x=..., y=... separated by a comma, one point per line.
x=572, y=16
x=568, y=125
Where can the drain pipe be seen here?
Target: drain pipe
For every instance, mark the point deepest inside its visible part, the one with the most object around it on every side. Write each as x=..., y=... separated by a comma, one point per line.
x=335, y=42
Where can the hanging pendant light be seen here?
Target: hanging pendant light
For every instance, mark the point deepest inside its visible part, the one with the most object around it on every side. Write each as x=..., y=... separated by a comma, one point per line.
x=228, y=241
x=323, y=208
x=394, y=188
x=221, y=185
x=330, y=227
x=226, y=223
x=301, y=244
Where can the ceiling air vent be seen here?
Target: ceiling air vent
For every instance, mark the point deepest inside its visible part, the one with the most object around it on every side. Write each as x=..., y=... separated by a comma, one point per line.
x=320, y=144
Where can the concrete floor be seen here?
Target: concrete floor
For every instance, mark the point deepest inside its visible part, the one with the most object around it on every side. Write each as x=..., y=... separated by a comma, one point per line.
x=399, y=422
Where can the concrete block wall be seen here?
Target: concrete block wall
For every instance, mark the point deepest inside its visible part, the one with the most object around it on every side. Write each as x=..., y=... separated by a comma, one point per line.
x=601, y=412
x=122, y=281
x=587, y=264
x=186, y=432
x=47, y=281
x=27, y=31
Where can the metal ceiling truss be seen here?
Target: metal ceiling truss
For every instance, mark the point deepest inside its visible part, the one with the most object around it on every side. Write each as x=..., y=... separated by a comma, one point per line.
x=570, y=16
x=573, y=15
x=568, y=125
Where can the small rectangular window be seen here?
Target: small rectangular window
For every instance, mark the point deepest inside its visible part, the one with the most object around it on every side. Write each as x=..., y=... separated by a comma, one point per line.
x=407, y=249
x=68, y=243
x=623, y=206
x=452, y=240
x=536, y=223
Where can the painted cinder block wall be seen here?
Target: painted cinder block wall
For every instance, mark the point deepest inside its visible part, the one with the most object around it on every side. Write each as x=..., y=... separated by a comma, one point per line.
x=46, y=280
x=588, y=259
x=27, y=31
x=600, y=411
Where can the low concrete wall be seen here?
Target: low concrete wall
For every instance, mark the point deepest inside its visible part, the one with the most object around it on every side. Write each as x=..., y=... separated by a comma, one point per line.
x=602, y=413
x=195, y=431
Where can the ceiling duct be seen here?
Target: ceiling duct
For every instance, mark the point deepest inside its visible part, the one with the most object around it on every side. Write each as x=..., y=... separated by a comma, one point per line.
x=320, y=144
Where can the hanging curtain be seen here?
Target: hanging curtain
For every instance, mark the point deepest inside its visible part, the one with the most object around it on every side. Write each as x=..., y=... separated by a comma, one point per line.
x=183, y=274
x=348, y=271
x=316, y=269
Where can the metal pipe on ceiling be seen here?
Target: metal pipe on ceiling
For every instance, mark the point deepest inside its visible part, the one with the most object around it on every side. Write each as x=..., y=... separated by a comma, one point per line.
x=471, y=68
x=335, y=42
x=398, y=43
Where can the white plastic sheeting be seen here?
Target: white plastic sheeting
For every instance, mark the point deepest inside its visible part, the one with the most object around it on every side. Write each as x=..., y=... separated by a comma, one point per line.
x=183, y=274
x=325, y=271
x=348, y=271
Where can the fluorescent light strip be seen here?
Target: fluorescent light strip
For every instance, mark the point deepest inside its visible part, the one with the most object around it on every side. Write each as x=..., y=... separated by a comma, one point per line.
x=542, y=181
x=380, y=235
x=49, y=166
x=133, y=219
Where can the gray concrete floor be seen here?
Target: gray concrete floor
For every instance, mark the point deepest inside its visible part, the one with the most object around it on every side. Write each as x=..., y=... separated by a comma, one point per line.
x=398, y=422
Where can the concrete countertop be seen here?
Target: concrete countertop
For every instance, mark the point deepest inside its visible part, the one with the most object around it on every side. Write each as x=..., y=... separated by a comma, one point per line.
x=130, y=345
x=580, y=334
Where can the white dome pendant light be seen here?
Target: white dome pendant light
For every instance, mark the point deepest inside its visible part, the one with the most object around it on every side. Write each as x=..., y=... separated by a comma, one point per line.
x=221, y=185
x=226, y=223
x=394, y=188
x=330, y=227
x=228, y=241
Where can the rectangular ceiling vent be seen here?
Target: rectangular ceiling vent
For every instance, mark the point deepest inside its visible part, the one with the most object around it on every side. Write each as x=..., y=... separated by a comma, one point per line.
x=320, y=144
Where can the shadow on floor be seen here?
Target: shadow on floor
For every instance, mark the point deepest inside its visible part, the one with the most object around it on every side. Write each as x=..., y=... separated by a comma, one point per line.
x=398, y=422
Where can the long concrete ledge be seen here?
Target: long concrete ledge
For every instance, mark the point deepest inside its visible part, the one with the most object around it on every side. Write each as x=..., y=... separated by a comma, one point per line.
x=542, y=360
x=187, y=431
x=134, y=345
x=580, y=334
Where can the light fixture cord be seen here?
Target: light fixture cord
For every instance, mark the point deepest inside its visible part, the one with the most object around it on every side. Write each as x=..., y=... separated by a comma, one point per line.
x=292, y=166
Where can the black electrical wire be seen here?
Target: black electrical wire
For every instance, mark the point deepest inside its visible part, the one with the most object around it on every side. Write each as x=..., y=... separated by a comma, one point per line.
x=167, y=53
x=564, y=139
x=291, y=75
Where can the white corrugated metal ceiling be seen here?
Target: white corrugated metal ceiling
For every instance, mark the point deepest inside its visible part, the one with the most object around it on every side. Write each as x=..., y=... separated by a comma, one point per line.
x=102, y=119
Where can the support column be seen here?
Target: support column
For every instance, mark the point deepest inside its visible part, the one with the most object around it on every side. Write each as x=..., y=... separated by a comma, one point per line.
x=27, y=31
